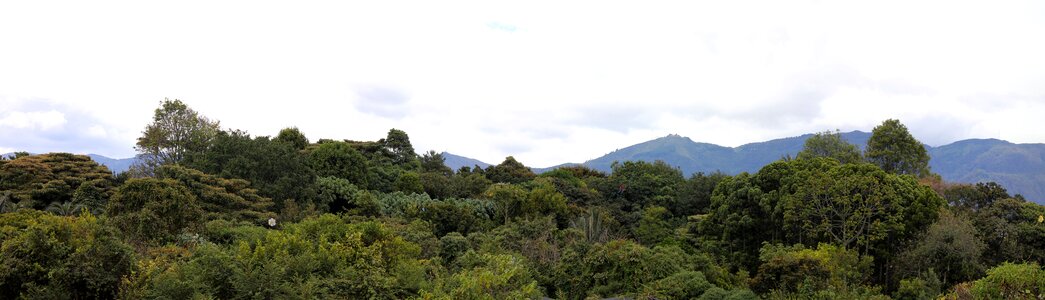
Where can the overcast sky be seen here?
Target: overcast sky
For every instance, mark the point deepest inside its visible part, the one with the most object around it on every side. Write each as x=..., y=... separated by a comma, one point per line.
x=547, y=82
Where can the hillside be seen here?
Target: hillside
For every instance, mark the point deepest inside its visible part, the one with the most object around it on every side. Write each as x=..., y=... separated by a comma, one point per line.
x=1018, y=167
x=456, y=161
x=692, y=157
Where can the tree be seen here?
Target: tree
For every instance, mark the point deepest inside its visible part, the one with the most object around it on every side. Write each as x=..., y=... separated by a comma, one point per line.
x=975, y=197
x=53, y=257
x=432, y=162
x=616, y=268
x=817, y=200
x=409, y=182
x=92, y=195
x=832, y=145
x=336, y=194
x=653, y=228
x=827, y=272
x=695, y=194
x=38, y=180
x=740, y=218
x=545, y=200
x=220, y=198
x=175, y=132
x=398, y=143
x=486, y=276
x=470, y=185
x=510, y=200
x=436, y=185
x=276, y=169
x=154, y=211
x=340, y=160
x=1011, y=281
x=949, y=248
x=893, y=149
x=293, y=137
x=326, y=257
x=509, y=171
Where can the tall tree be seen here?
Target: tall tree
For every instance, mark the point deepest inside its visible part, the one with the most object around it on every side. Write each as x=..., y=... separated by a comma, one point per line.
x=150, y=210
x=340, y=160
x=176, y=130
x=293, y=137
x=398, y=143
x=275, y=168
x=434, y=162
x=830, y=144
x=509, y=171
x=893, y=149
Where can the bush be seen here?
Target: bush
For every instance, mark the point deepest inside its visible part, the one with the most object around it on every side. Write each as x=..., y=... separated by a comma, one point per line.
x=1011, y=281
x=153, y=210
x=46, y=256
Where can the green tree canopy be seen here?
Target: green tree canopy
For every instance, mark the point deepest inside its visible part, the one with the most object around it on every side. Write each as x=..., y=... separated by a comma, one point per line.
x=152, y=210
x=220, y=198
x=509, y=171
x=893, y=149
x=175, y=132
x=832, y=145
x=695, y=194
x=274, y=168
x=949, y=248
x=293, y=137
x=51, y=257
x=340, y=160
x=398, y=144
x=433, y=162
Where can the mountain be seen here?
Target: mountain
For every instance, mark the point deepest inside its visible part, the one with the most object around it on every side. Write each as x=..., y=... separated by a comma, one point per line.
x=455, y=162
x=1020, y=168
x=692, y=157
x=542, y=170
x=117, y=165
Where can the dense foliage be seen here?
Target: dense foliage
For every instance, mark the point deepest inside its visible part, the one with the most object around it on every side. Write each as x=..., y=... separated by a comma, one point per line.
x=223, y=214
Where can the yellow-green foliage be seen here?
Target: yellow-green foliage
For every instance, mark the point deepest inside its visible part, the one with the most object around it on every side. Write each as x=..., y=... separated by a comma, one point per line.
x=323, y=257
x=799, y=270
x=51, y=257
x=154, y=211
x=1011, y=281
x=220, y=198
x=38, y=180
x=486, y=276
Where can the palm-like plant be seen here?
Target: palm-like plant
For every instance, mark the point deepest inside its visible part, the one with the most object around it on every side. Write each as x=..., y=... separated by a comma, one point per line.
x=64, y=208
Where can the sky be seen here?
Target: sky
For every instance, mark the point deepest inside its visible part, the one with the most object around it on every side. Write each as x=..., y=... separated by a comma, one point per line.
x=545, y=81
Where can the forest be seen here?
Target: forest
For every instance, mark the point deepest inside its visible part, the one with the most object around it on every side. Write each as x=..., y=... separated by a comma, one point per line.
x=214, y=213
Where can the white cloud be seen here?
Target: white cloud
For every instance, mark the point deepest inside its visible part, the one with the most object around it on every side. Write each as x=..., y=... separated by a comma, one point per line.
x=37, y=120
x=97, y=131
x=546, y=81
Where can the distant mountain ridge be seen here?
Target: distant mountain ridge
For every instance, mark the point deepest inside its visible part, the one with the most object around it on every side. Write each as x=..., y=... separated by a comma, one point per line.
x=1020, y=168
x=692, y=157
x=455, y=162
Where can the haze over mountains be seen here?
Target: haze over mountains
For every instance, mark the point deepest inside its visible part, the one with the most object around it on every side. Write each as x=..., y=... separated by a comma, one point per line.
x=1020, y=168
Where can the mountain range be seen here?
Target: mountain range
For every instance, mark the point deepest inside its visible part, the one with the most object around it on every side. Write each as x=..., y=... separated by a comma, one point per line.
x=1020, y=168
